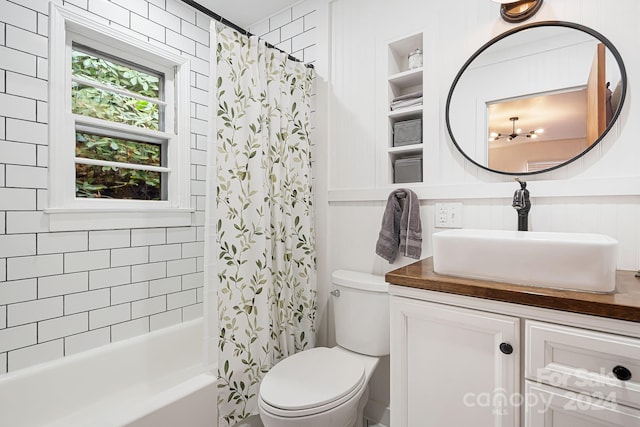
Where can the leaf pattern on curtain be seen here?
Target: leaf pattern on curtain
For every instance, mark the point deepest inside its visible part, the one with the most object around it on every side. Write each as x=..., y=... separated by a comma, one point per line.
x=266, y=266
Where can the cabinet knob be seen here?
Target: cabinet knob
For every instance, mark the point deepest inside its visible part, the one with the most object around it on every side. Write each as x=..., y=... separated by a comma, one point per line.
x=506, y=348
x=622, y=373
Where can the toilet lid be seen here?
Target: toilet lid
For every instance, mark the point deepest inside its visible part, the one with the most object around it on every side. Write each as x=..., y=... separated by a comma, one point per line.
x=311, y=378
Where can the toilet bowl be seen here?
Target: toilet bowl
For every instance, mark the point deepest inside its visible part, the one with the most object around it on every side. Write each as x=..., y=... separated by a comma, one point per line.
x=318, y=387
x=323, y=387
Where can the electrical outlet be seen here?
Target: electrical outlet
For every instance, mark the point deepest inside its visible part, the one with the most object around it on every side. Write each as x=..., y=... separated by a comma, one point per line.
x=448, y=215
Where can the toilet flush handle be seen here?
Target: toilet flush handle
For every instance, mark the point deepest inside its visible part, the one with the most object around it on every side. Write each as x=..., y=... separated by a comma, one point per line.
x=335, y=292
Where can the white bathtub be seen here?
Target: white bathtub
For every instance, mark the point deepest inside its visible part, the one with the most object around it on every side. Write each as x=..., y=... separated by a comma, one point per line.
x=154, y=380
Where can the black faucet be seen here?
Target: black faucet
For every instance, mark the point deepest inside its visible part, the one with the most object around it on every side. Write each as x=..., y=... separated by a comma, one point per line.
x=522, y=204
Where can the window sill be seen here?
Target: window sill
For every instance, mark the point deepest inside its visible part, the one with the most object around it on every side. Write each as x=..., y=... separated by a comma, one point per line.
x=108, y=219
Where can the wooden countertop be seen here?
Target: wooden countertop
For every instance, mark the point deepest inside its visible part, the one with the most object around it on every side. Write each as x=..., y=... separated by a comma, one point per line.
x=623, y=304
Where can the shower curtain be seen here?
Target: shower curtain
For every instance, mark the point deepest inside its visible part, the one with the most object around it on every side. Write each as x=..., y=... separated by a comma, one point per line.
x=266, y=268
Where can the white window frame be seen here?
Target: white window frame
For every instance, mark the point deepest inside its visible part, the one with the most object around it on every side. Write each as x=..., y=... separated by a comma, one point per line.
x=68, y=212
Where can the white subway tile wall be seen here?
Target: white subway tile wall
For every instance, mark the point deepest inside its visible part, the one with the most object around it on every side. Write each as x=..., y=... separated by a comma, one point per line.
x=162, y=320
x=80, y=342
x=65, y=292
x=2, y=88
x=39, y=353
x=124, y=330
x=292, y=30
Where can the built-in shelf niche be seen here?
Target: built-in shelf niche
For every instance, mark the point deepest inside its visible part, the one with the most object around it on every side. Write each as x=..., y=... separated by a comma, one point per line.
x=402, y=81
x=399, y=53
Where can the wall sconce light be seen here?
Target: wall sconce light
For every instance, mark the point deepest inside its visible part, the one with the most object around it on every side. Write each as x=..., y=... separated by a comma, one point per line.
x=518, y=10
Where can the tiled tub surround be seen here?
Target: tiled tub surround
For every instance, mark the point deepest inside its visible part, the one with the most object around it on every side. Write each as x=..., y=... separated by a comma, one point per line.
x=65, y=292
x=293, y=30
x=84, y=299
x=141, y=382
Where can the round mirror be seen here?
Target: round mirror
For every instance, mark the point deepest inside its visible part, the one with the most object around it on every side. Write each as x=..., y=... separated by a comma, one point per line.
x=536, y=98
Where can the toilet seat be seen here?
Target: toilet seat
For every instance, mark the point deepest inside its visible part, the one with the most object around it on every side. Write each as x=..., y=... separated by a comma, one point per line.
x=311, y=382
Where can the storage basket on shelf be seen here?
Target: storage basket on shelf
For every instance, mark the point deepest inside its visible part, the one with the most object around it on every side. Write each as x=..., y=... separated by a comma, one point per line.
x=407, y=169
x=407, y=132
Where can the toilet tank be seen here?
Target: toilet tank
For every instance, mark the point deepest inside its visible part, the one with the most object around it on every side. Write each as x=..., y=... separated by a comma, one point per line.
x=361, y=312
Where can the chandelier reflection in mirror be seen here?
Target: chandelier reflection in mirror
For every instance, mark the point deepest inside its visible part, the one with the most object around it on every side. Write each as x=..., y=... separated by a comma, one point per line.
x=515, y=132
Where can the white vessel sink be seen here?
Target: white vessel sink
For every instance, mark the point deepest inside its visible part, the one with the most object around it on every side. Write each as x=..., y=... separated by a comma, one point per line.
x=575, y=261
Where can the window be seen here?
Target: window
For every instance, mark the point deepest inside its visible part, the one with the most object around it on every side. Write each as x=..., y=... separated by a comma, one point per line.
x=107, y=164
x=119, y=128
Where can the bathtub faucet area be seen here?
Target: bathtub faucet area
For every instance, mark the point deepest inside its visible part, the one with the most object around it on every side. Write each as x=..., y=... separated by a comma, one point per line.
x=522, y=205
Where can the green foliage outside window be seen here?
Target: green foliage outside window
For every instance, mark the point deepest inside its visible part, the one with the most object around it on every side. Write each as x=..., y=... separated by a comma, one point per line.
x=109, y=181
x=119, y=76
x=113, y=182
x=101, y=104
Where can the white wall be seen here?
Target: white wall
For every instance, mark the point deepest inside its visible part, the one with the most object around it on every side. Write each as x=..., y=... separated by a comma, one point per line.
x=65, y=292
x=293, y=30
x=598, y=193
x=67, y=307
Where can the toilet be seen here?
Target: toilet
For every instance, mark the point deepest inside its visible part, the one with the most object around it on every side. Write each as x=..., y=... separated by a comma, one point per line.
x=322, y=386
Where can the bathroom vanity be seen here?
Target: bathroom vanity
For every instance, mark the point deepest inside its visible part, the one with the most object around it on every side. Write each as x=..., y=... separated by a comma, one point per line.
x=472, y=352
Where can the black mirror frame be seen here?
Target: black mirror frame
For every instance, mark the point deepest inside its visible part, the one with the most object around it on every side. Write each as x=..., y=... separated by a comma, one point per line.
x=592, y=32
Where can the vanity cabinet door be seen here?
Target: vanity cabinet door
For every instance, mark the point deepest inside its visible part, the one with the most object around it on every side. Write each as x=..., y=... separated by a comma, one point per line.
x=554, y=407
x=452, y=366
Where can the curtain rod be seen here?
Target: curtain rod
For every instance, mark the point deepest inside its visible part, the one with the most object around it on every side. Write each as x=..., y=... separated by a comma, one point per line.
x=220, y=19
